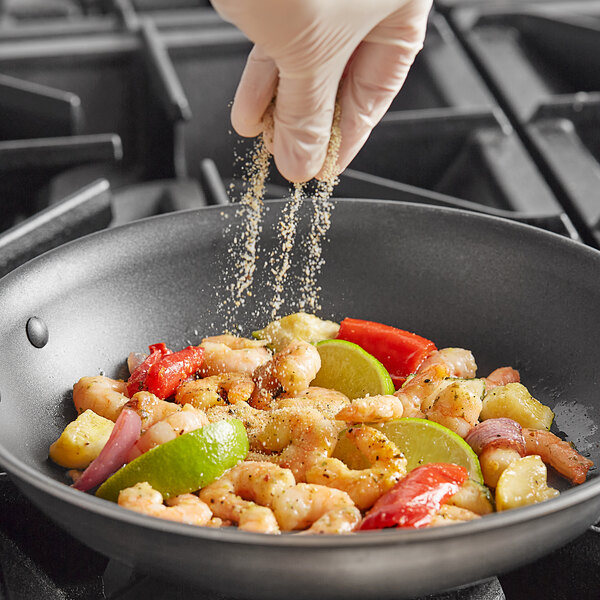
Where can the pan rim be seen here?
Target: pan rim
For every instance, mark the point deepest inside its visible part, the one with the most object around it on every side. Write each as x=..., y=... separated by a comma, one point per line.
x=21, y=471
x=184, y=214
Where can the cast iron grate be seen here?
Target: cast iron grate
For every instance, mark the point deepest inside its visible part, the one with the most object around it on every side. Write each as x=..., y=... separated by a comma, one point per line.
x=543, y=62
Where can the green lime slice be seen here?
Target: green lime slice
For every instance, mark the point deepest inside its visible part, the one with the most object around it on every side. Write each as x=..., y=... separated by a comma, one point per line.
x=184, y=464
x=349, y=369
x=421, y=441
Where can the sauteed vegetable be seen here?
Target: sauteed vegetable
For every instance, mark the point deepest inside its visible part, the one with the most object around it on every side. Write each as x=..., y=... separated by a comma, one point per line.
x=232, y=433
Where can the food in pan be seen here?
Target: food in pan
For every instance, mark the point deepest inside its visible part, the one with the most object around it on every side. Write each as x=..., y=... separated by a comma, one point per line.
x=314, y=427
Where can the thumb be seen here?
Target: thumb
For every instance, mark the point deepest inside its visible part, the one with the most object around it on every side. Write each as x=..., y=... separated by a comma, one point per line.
x=376, y=75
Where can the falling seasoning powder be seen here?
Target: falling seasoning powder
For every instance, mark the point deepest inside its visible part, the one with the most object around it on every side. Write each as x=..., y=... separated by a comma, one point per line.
x=243, y=239
x=242, y=249
x=320, y=222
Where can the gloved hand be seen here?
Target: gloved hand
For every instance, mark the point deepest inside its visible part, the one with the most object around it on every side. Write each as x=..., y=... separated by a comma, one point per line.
x=302, y=49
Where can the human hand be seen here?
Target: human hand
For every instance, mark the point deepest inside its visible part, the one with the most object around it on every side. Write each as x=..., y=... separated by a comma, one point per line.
x=303, y=50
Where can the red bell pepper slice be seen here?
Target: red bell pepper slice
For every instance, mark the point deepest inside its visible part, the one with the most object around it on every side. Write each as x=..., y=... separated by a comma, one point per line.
x=414, y=500
x=136, y=381
x=167, y=374
x=401, y=352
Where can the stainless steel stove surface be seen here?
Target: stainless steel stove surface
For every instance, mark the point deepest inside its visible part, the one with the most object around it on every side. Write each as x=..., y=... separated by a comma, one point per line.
x=113, y=110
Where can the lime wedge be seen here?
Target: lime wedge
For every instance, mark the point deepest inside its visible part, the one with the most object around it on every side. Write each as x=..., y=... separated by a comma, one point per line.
x=347, y=368
x=298, y=326
x=184, y=464
x=421, y=441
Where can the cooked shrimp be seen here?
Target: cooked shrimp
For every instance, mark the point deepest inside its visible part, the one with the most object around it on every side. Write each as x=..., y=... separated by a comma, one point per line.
x=364, y=486
x=254, y=420
x=418, y=390
x=372, y=409
x=183, y=421
x=501, y=376
x=226, y=388
x=458, y=361
x=449, y=515
x=324, y=509
x=457, y=407
x=292, y=369
x=231, y=354
x=327, y=402
x=243, y=495
x=186, y=508
x=151, y=408
x=105, y=396
x=300, y=437
x=559, y=454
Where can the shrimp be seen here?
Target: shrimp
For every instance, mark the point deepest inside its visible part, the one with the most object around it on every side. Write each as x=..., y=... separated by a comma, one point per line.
x=458, y=361
x=327, y=402
x=557, y=453
x=449, y=515
x=231, y=354
x=292, y=369
x=372, y=409
x=151, y=408
x=324, y=509
x=226, y=388
x=418, y=389
x=254, y=420
x=300, y=437
x=183, y=421
x=105, y=396
x=243, y=495
x=186, y=508
x=364, y=486
x=501, y=376
x=457, y=406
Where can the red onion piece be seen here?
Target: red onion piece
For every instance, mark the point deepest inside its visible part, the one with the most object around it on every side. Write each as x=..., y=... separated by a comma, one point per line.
x=134, y=360
x=113, y=456
x=499, y=433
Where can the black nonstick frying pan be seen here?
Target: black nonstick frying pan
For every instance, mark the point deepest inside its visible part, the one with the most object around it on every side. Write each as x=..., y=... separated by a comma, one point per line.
x=512, y=294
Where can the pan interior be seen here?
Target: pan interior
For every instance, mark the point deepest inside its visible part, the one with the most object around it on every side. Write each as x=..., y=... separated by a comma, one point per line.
x=511, y=294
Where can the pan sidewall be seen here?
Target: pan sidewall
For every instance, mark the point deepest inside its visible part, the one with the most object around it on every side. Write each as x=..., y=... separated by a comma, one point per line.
x=457, y=278
x=385, y=570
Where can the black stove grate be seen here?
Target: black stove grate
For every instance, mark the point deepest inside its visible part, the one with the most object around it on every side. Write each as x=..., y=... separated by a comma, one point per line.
x=542, y=60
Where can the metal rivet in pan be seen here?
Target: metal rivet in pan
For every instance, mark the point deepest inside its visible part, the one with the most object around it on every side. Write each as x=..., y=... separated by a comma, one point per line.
x=37, y=332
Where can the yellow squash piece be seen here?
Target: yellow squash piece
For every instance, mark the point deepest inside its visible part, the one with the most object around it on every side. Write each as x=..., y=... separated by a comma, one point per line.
x=81, y=441
x=474, y=497
x=298, y=326
x=515, y=402
x=523, y=482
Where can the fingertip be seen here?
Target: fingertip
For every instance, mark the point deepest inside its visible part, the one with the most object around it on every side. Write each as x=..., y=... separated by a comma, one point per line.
x=302, y=126
x=243, y=127
x=296, y=164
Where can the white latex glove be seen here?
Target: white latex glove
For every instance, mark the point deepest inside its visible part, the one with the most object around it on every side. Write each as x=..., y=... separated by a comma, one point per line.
x=302, y=48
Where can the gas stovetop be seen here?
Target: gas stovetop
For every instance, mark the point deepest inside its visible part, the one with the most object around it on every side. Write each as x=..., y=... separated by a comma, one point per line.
x=114, y=110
